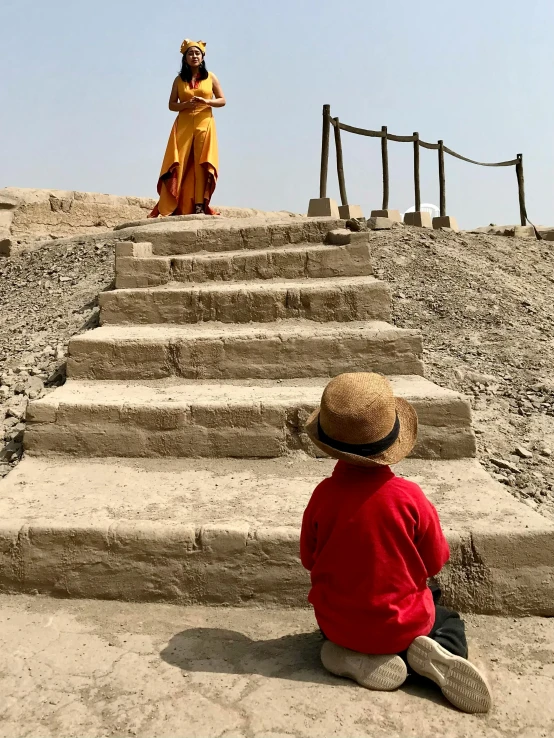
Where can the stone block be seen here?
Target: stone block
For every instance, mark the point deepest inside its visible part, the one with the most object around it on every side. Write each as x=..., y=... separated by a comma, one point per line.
x=339, y=237
x=445, y=221
x=350, y=211
x=390, y=214
x=42, y=411
x=323, y=207
x=136, y=250
x=359, y=237
x=420, y=218
x=135, y=536
x=148, y=272
x=379, y=224
x=524, y=231
x=223, y=538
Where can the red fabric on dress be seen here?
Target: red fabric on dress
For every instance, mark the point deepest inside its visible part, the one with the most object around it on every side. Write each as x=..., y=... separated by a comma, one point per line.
x=370, y=540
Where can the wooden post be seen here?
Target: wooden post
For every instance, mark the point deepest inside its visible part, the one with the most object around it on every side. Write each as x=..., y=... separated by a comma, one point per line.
x=385, y=159
x=325, y=151
x=442, y=180
x=521, y=190
x=340, y=165
x=416, y=173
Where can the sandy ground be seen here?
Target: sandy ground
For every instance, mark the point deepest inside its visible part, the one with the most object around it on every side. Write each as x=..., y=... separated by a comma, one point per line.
x=89, y=668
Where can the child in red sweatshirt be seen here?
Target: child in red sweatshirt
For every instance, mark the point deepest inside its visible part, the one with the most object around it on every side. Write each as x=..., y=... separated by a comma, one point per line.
x=371, y=540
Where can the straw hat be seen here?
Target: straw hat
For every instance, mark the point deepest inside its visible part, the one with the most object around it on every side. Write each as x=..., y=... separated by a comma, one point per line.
x=362, y=422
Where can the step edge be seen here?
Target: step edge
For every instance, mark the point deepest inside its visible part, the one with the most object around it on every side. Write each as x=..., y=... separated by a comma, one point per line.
x=277, y=386
x=249, y=558
x=241, y=285
x=216, y=329
x=214, y=255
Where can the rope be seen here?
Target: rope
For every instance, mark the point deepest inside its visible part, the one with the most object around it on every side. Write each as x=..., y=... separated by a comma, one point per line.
x=534, y=227
x=425, y=144
x=510, y=163
x=402, y=139
x=359, y=131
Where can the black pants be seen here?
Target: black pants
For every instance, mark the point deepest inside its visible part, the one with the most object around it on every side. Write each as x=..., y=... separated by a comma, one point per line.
x=449, y=629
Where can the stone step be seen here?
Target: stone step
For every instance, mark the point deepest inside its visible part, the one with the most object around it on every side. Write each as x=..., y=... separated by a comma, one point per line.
x=234, y=419
x=313, y=261
x=169, y=237
x=282, y=350
x=341, y=300
x=226, y=532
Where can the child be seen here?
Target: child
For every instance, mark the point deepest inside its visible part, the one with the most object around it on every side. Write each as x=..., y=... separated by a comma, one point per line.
x=370, y=541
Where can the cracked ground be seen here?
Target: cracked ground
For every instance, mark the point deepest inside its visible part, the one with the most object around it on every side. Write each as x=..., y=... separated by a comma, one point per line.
x=92, y=668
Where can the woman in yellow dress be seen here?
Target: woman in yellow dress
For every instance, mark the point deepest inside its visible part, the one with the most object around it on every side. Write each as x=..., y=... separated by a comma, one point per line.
x=189, y=169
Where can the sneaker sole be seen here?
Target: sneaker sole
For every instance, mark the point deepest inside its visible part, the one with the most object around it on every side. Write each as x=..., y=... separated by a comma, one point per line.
x=460, y=681
x=383, y=673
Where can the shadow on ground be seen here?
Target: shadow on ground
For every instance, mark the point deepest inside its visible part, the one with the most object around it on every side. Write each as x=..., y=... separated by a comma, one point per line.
x=294, y=657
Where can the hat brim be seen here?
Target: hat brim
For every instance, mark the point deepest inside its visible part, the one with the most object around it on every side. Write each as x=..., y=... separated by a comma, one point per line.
x=403, y=445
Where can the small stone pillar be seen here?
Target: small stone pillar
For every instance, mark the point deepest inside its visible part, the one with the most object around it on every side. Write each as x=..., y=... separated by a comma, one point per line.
x=380, y=224
x=524, y=231
x=323, y=207
x=390, y=214
x=445, y=221
x=347, y=212
x=421, y=219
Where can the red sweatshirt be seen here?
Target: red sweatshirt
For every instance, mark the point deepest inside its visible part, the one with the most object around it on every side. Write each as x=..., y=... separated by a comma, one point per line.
x=370, y=540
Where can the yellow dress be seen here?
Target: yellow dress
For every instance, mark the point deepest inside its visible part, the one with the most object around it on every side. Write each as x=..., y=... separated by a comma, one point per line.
x=189, y=169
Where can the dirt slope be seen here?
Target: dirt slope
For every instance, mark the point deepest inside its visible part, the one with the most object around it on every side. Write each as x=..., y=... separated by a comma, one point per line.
x=483, y=304
x=484, y=307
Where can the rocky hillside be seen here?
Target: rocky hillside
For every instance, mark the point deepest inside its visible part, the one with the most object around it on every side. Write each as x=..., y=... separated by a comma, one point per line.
x=484, y=306
x=482, y=302
x=46, y=296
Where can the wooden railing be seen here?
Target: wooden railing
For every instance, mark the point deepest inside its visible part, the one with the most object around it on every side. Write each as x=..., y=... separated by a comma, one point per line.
x=385, y=137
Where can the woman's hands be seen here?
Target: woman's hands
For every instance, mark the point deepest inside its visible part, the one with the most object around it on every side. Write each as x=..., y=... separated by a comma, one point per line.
x=192, y=104
x=218, y=101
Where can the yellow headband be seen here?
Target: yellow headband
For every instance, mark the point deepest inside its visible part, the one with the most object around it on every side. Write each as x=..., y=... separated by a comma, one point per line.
x=187, y=44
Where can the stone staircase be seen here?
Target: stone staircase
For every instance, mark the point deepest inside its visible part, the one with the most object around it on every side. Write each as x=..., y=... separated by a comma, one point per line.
x=173, y=463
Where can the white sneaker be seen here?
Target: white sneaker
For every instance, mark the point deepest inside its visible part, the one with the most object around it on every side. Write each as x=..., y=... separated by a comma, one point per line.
x=381, y=672
x=461, y=683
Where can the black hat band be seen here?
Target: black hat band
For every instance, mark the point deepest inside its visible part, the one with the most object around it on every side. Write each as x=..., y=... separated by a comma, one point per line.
x=361, y=449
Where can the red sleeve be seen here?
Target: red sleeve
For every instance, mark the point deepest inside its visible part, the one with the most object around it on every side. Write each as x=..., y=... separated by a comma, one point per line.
x=308, y=538
x=430, y=542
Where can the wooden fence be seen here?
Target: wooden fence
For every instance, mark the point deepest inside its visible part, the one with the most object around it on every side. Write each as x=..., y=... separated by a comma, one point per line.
x=385, y=137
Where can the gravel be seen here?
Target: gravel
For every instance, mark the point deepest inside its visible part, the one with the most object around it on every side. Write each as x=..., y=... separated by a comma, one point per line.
x=46, y=296
x=484, y=307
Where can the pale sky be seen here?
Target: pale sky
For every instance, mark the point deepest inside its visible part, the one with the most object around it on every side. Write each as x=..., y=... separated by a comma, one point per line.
x=84, y=89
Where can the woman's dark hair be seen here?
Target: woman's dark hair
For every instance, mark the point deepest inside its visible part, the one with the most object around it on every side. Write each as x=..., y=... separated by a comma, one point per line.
x=186, y=72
